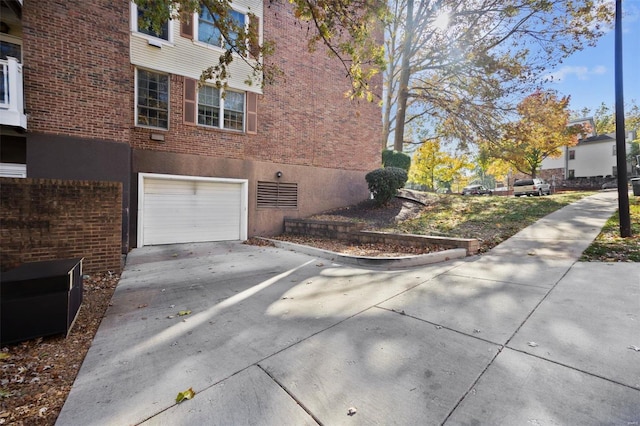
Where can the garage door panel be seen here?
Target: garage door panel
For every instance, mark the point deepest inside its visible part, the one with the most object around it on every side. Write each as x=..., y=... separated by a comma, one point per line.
x=180, y=211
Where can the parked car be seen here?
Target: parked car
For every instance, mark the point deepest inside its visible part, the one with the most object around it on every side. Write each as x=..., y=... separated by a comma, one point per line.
x=476, y=190
x=609, y=185
x=531, y=187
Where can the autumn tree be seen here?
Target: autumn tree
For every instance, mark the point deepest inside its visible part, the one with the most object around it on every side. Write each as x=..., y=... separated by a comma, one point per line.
x=347, y=29
x=604, y=118
x=541, y=131
x=487, y=165
x=431, y=165
x=458, y=62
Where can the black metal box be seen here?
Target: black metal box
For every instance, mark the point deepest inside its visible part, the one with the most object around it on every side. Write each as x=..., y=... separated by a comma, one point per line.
x=40, y=299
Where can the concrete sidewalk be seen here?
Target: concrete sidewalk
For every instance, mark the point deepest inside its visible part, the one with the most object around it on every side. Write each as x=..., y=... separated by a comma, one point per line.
x=521, y=335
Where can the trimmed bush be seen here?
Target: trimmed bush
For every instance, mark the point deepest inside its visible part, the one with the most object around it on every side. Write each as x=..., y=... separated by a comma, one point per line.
x=396, y=159
x=384, y=183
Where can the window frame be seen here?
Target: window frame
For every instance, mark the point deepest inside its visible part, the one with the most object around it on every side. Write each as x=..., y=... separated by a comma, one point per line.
x=136, y=31
x=222, y=110
x=137, y=105
x=198, y=104
x=572, y=154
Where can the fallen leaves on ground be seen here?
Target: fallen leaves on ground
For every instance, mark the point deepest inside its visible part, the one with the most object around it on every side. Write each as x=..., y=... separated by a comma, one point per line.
x=36, y=375
x=359, y=249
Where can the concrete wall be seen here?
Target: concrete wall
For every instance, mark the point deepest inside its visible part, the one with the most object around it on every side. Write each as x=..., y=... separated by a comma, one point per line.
x=44, y=219
x=72, y=158
x=319, y=189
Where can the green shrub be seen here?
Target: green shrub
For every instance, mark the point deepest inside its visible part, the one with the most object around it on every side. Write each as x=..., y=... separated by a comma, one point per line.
x=384, y=183
x=396, y=159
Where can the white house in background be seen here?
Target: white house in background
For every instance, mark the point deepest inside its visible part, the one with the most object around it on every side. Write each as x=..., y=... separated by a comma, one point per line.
x=594, y=155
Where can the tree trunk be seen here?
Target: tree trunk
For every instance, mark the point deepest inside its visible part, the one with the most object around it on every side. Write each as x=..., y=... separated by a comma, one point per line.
x=386, y=118
x=403, y=85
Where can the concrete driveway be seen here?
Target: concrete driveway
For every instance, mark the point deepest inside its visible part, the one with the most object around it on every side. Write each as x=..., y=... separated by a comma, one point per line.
x=275, y=337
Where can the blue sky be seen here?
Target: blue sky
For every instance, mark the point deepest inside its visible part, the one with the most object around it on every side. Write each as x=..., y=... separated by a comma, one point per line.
x=589, y=75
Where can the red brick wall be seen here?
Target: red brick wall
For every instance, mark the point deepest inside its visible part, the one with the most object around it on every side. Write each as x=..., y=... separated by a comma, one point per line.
x=303, y=119
x=44, y=219
x=76, y=68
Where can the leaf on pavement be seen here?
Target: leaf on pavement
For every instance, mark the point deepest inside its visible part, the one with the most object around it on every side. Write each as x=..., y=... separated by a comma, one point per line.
x=183, y=313
x=188, y=394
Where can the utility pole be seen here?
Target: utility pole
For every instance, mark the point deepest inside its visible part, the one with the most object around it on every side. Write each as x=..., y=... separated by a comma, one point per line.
x=621, y=145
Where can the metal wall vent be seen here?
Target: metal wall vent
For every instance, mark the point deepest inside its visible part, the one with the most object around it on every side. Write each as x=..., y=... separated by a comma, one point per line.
x=277, y=195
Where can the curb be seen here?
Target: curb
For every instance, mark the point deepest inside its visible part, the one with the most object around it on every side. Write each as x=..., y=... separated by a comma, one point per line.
x=381, y=262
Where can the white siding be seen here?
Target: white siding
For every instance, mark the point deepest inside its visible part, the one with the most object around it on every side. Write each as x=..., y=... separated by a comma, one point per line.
x=593, y=159
x=554, y=163
x=188, y=58
x=180, y=209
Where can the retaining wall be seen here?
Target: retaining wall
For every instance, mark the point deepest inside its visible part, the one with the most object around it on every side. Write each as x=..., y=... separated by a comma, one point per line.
x=354, y=232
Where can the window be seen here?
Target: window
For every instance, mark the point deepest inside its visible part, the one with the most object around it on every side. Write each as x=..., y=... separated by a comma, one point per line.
x=234, y=111
x=152, y=99
x=209, y=33
x=572, y=174
x=209, y=106
x=212, y=105
x=572, y=154
x=141, y=24
x=10, y=49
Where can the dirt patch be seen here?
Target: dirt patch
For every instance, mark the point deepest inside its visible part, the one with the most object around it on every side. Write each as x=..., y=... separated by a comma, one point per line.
x=376, y=217
x=36, y=375
x=360, y=249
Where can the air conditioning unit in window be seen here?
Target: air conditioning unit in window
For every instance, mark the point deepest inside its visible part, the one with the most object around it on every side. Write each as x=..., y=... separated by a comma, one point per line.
x=13, y=170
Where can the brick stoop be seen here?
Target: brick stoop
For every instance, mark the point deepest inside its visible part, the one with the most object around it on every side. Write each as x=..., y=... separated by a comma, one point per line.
x=354, y=232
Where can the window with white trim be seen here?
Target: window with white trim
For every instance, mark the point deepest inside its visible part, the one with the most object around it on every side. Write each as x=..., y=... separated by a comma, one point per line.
x=206, y=106
x=142, y=25
x=152, y=99
x=216, y=110
x=209, y=33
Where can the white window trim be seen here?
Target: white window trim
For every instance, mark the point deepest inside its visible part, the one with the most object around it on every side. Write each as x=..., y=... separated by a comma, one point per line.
x=134, y=29
x=222, y=109
x=135, y=118
x=196, y=24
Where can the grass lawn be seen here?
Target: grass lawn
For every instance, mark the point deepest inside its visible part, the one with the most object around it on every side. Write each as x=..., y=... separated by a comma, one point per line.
x=609, y=246
x=490, y=219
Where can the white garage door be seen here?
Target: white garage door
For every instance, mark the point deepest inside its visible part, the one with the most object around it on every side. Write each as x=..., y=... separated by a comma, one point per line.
x=184, y=209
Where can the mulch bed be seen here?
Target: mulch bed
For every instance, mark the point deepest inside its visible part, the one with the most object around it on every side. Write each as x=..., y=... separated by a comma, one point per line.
x=36, y=375
x=359, y=249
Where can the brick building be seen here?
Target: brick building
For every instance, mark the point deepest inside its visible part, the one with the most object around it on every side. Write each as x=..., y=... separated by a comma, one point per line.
x=106, y=101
